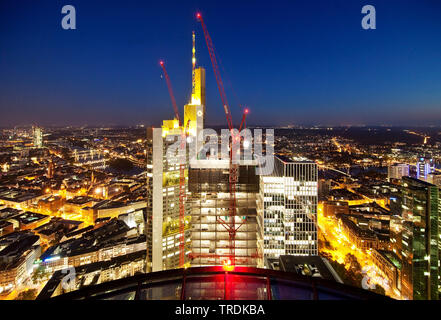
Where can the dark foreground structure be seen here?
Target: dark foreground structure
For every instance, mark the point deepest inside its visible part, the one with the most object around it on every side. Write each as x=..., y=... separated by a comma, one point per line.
x=216, y=283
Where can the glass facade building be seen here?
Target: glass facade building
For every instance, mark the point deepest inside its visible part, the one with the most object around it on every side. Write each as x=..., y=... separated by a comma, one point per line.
x=209, y=187
x=414, y=229
x=288, y=203
x=425, y=166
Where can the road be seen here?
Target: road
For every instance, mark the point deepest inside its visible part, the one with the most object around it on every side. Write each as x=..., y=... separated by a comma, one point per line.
x=342, y=246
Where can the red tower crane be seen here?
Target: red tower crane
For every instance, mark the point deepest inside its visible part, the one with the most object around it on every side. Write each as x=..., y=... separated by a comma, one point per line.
x=170, y=91
x=235, y=140
x=182, y=189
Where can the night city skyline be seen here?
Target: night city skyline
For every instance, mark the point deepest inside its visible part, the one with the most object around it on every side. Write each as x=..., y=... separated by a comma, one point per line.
x=226, y=157
x=291, y=63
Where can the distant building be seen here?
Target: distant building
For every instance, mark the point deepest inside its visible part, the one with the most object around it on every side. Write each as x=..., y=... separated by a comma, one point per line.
x=51, y=204
x=6, y=227
x=332, y=208
x=89, y=158
x=289, y=198
x=415, y=236
x=397, y=171
x=111, y=240
x=390, y=267
x=434, y=178
x=50, y=169
x=17, y=256
x=362, y=236
x=19, y=199
x=31, y=220
x=38, y=137
x=425, y=166
x=347, y=196
x=95, y=273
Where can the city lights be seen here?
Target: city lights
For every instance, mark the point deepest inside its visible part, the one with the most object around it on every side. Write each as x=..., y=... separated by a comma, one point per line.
x=142, y=170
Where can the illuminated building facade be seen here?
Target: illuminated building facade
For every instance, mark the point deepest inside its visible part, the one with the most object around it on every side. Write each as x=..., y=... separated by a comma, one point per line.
x=163, y=173
x=38, y=137
x=425, y=166
x=414, y=236
x=397, y=171
x=18, y=253
x=162, y=228
x=192, y=111
x=210, y=204
x=434, y=178
x=90, y=158
x=288, y=201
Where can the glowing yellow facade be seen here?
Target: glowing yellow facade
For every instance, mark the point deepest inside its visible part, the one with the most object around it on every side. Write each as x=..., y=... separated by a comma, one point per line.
x=197, y=99
x=198, y=96
x=170, y=127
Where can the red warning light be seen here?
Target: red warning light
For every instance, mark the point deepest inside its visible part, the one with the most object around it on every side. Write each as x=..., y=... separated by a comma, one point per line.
x=227, y=265
x=161, y=63
x=246, y=111
x=198, y=15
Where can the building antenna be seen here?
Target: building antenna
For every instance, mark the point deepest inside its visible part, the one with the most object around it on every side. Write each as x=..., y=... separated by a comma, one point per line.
x=193, y=69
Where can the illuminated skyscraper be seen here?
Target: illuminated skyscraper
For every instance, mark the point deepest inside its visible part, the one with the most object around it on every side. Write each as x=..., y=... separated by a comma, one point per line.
x=163, y=173
x=414, y=228
x=289, y=206
x=425, y=166
x=163, y=179
x=38, y=137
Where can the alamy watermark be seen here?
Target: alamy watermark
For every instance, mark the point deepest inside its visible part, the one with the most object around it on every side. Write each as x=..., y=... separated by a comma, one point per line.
x=369, y=20
x=68, y=281
x=69, y=21
x=366, y=281
x=240, y=147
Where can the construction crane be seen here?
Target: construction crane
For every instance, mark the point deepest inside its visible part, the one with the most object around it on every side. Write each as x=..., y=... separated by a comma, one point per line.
x=235, y=142
x=182, y=189
x=170, y=91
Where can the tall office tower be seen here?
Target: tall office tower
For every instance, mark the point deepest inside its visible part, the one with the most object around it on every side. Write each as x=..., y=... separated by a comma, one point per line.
x=414, y=228
x=425, y=166
x=38, y=137
x=288, y=203
x=163, y=179
x=163, y=223
x=210, y=204
x=397, y=171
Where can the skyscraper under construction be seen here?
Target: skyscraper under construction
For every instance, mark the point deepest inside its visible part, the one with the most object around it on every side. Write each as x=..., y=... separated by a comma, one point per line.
x=211, y=243
x=207, y=185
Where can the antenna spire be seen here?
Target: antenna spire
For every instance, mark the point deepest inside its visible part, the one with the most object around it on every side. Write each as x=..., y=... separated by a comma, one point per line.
x=193, y=70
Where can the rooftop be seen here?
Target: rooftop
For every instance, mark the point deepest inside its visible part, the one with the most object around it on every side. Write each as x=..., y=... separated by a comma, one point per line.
x=216, y=283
